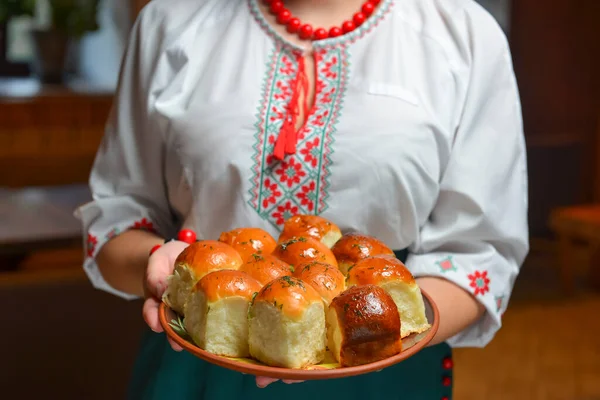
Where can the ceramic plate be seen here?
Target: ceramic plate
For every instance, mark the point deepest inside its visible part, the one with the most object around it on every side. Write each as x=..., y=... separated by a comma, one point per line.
x=328, y=369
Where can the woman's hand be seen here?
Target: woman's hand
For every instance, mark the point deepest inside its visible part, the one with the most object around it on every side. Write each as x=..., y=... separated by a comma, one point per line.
x=263, y=382
x=160, y=266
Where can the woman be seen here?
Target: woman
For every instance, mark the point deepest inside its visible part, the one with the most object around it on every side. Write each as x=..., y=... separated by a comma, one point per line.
x=400, y=119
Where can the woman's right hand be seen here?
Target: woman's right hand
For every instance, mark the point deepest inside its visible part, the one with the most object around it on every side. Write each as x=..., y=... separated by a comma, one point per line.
x=160, y=266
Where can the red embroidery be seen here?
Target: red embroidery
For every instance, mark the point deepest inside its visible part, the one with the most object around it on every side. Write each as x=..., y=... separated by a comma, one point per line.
x=480, y=282
x=307, y=196
x=270, y=193
x=91, y=243
x=144, y=224
x=285, y=212
x=290, y=172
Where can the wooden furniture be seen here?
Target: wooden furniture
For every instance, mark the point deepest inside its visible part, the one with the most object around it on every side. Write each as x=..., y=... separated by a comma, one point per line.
x=49, y=136
x=573, y=226
x=556, y=53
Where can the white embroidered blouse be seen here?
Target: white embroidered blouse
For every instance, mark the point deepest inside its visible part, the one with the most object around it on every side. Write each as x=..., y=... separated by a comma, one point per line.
x=415, y=137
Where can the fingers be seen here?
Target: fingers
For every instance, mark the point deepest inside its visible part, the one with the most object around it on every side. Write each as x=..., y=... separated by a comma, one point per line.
x=156, y=275
x=174, y=345
x=263, y=382
x=150, y=313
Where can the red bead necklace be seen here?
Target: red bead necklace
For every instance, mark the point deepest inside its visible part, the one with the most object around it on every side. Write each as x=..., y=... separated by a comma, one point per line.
x=308, y=32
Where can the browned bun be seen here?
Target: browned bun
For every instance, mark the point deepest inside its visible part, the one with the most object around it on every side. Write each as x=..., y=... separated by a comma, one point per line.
x=287, y=324
x=324, y=278
x=227, y=283
x=290, y=295
x=310, y=226
x=197, y=260
x=378, y=270
x=301, y=250
x=208, y=255
x=266, y=268
x=363, y=326
x=216, y=313
x=353, y=247
x=249, y=241
x=392, y=276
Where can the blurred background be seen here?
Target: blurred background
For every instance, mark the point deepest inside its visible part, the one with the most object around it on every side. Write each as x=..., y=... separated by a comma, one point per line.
x=62, y=339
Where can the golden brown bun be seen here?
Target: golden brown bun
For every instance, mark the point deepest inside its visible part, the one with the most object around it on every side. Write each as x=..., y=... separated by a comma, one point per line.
x=311, y=226
x=197, y=260
x=209, y=255
x=227, y=283
x=287, y=324
x=377, y=270
x=290, y=295
x=301, y=250
x=216, y=313
x=249, y=241
x=324, y=278
x=353, y=247
x=392, y=275
x=266, y=268
x=363, y=326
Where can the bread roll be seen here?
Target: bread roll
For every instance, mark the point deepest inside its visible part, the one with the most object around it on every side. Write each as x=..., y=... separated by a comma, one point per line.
x=287, y=324
x=265, y=268
x=311, y=226
x=216, y=314
x=324, y=278
x=249, y=241
x=363, y=326
x=353, y=247
x=392, y=275
x=301, y=250
x=197, y=260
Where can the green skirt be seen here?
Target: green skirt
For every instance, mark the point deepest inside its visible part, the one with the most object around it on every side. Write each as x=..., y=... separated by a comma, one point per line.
x=163, y=374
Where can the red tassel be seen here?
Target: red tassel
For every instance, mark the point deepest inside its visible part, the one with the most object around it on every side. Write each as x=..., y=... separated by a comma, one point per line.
x=288, y=136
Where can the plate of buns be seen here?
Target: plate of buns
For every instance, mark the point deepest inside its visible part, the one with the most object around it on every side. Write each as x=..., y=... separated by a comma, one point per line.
x=311, y=304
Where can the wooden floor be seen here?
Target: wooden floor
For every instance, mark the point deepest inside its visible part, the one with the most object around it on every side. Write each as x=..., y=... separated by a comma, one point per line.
x=547, y=349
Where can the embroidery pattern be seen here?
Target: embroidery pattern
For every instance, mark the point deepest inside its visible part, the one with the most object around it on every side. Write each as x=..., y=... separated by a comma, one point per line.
x=499, y=303
x=144, y=224
x=112, y=233
x=298, y=184
x=446, y=265
x=90, y=244
x=480, y=282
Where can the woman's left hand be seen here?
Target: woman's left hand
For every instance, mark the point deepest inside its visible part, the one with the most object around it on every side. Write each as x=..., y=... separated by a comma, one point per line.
x=262, y=381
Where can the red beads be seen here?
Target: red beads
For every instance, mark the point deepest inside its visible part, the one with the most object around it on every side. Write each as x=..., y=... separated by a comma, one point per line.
x=284, y=16
x=447, y=381
x=153, y=250
x=359, y=18
x=320, y=34
x=348, y=26
x=187, y=236
x=293, y=25
x=307, y=32
x=335, y=32
x=276, y=7
x=368, y=8
x=445, y=398
x=447, y=363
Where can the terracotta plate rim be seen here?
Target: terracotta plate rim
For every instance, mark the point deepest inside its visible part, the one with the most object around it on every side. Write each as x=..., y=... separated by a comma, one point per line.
x=301, y=374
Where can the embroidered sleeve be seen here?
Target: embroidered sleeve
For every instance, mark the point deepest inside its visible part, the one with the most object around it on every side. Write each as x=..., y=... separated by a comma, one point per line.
x=477, y=234
x=127, y=180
